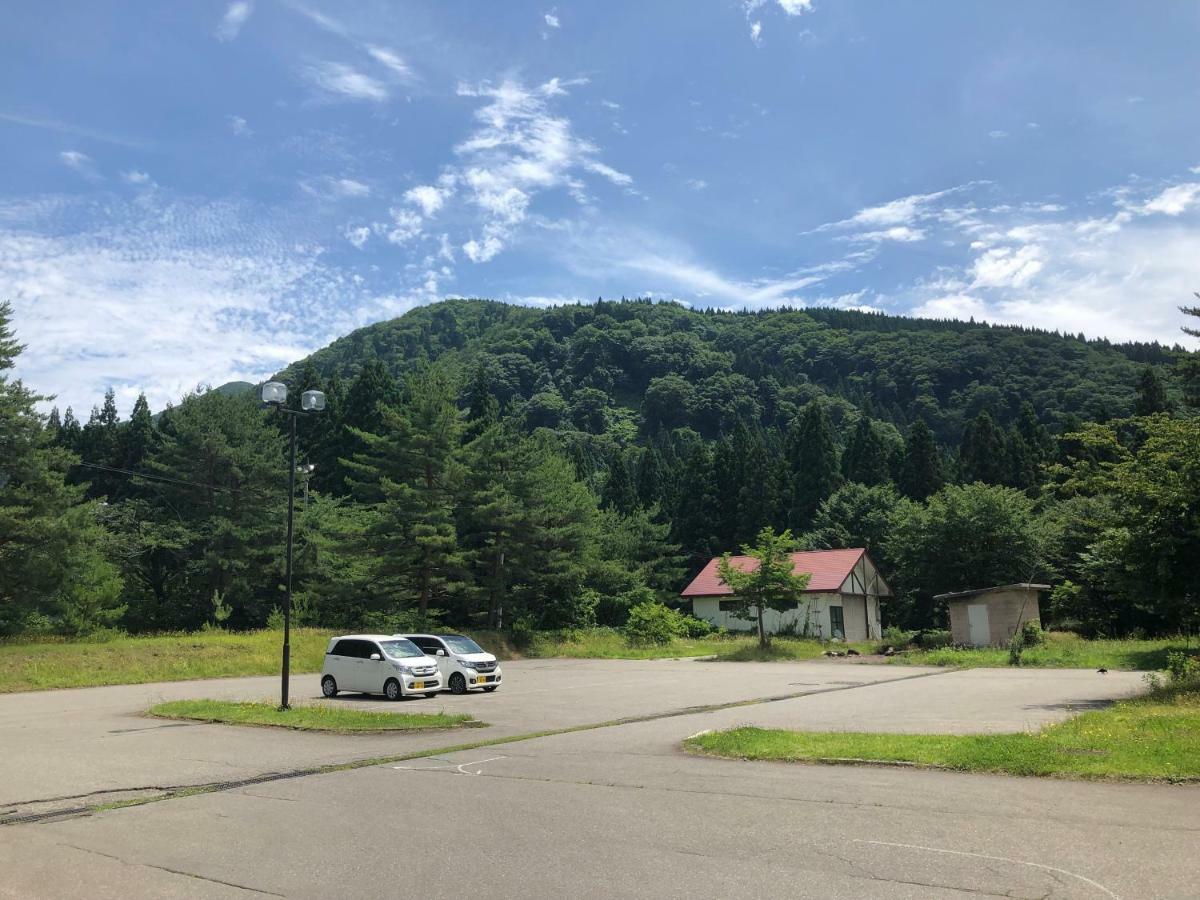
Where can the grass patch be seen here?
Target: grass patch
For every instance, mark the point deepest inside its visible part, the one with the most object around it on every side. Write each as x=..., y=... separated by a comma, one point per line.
x=785, y=649
x=609, y=643
x=46, y=664
x=1152, y=738
x=315, y=717
x=1060, y=650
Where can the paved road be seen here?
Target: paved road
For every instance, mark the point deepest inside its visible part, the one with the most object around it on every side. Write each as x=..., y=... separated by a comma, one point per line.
x=621, y=812
x=61, y=748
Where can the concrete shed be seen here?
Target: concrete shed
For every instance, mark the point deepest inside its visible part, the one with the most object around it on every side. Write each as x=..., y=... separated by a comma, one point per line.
x=991, y=616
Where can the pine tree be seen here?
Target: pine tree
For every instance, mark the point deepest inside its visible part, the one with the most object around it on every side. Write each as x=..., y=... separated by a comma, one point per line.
x=100, y=444
x=650, y=477
x=619, y=491
x=138, y=440
x=866, y=456
x=920, y=469
x=372, y=392
x=983, y=456
x=53, y=551
x=491, y=516
x=410, y=473
x=71, y=432
x=757, y=497
x=813, y=471
x=483, y=409
x=1151, y=394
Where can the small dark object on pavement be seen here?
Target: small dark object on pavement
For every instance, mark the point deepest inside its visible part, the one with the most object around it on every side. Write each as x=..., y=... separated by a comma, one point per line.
x=889, y=651
x=1102, y=670
x=853, y=652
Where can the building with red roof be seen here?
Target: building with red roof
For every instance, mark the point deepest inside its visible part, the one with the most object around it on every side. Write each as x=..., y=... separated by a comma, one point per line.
x=841, y=600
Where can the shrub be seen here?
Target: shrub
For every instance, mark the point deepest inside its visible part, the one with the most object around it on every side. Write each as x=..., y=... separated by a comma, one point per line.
x=933, y=639
x=1181, y=667
x=691, y=627
x=897, y=637
x=1032, y=634
x=522, y=633
x=402, y=622
x=652, y=623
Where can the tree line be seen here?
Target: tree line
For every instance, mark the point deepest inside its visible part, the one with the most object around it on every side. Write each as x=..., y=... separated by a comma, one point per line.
x=444, y=490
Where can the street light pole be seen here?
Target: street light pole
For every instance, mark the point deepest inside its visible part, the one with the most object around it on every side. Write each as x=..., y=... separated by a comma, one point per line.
x=287, y=603
x=274, y=394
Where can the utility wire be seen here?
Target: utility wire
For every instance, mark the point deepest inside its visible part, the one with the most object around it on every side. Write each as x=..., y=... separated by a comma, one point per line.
x=168, y=480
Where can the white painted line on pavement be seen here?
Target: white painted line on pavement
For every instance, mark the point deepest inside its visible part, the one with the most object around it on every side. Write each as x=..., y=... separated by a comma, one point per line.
x=1019, y=862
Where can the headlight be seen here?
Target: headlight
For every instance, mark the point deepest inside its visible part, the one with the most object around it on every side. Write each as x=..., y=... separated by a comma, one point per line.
x=466, y=663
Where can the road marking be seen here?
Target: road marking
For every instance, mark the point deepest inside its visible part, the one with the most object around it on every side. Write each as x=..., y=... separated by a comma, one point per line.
x=1019, y=862
x=460, y=768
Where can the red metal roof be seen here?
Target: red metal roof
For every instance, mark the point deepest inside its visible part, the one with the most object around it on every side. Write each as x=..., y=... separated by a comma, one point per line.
x=828, y=568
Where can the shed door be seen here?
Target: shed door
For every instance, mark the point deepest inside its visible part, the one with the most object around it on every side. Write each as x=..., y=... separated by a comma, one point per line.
x=977, y=624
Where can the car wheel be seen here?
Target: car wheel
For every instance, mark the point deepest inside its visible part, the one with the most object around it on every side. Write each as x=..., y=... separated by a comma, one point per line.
x=491, y=687
x=328, y=686
x=391, y=689
x=458, y=684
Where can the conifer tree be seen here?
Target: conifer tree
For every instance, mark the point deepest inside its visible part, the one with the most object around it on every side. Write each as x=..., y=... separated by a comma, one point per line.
x=866, y=456
x=53, y=551
x=1151, y=394
x=982, y=455
x=920, y=469
x=813, y=469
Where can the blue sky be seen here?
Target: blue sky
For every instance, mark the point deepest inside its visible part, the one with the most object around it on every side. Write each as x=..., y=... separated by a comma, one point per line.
x=198, y=192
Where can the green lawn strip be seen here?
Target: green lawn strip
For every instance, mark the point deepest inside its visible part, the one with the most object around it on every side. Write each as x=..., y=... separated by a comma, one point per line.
x=786, y=649
x=309, y=717
x=46, y=665
x=1153, y=738
x=1061, y=651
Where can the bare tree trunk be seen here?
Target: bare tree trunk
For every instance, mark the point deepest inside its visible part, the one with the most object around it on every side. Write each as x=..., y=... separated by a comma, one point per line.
x=762, y=632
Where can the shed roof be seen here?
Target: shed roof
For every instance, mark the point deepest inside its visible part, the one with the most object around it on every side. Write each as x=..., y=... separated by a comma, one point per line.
x=828, y=568
x=962, y=595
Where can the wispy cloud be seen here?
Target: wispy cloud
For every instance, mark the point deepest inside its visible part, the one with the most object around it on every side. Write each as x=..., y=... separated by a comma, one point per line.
x=80, y=162
x=239, y=126
x=68, y=128
x=338, y=79
x=521, y=148
x=235, y=17
x=331, y=188
x=391, y=61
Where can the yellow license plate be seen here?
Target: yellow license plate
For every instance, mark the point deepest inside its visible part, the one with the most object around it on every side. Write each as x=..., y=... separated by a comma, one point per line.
x=417, y=685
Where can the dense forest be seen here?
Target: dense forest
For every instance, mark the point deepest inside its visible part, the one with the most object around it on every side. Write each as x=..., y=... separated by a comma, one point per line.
x=486, y=464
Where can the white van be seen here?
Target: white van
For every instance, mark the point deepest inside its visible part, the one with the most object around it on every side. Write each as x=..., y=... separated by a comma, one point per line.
x=378, y=664
x=462, y=662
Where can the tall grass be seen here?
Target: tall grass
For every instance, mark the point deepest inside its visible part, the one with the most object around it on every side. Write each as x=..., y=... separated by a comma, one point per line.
x=1061, y=650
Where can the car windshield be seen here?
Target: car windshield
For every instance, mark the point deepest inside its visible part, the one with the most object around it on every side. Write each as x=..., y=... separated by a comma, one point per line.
x=401, y=648
x=461, y=644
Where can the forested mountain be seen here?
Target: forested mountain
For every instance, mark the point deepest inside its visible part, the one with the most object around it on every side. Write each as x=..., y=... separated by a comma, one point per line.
x=664, y=365
x=481, y=463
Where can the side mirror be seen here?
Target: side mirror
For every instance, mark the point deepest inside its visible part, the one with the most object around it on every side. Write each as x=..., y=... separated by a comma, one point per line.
x=376, y=657
x=441, y=653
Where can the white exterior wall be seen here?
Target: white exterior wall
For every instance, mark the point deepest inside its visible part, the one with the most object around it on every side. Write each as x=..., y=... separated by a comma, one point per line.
x=817, y=605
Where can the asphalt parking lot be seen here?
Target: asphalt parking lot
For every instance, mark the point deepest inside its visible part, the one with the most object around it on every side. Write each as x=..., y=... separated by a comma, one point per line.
x=610, y=811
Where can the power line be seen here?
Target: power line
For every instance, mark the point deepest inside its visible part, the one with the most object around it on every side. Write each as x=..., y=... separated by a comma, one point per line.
x=168, y=480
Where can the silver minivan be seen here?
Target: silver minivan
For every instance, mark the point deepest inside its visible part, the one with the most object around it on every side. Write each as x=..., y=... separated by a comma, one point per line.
x=378, y=664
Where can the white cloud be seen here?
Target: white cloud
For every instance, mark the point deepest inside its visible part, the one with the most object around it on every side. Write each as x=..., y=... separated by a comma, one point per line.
x=1173, y=200
x=235, y=17
x=795, y=7
x=358, y=235
x=756, y=31
x=80, y=162
x=405, y=226
x=520, y=149
x=428, y=197
x=140, y=178
x=551, y=19
x=901, y=233
x=391, y=61
x=239, y=126
x=1006, y=267
x=330, y=188
x=345, y=81
x=997, y=134
x=697, y=184
x=902, y=211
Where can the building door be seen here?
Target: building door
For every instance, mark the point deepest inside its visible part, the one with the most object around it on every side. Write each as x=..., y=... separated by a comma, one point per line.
x=837, y=625
x=978, y=629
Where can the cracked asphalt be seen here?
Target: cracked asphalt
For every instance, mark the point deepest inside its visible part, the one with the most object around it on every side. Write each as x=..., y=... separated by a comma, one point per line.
x=616, y=811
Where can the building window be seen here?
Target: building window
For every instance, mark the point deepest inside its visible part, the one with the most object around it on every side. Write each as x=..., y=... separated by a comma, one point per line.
x=727, y=605
x=837, y=627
